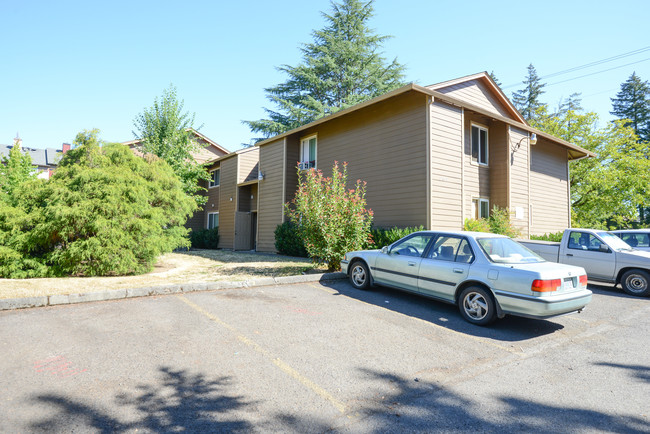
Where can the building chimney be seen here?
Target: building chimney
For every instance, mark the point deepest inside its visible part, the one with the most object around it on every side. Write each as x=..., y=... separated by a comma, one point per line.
x=65, y=147
x=18, y=141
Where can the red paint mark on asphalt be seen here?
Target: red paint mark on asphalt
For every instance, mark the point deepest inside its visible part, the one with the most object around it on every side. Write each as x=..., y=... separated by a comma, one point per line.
x=302, y=310
x=58, y=366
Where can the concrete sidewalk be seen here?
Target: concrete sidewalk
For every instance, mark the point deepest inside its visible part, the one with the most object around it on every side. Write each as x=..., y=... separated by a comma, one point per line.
x=58, y=299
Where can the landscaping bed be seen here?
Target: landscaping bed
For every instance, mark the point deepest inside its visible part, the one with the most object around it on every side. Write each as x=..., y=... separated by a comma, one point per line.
x=194, y=266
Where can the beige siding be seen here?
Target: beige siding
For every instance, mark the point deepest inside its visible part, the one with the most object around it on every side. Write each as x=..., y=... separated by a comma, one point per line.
x=519, y=183
x=227, y=207
x=270, y=210
x=292, y=158
x=384, y=145
x=476, y=93
x=498, y=165
x=248, y=164
x=476, y=177
x=549, y=191
x=446, y=166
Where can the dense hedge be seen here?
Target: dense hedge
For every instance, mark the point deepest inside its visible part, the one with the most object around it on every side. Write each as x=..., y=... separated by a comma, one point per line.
x=288, y=241
x=385, y=236
x=555, y=236
x=205, y=238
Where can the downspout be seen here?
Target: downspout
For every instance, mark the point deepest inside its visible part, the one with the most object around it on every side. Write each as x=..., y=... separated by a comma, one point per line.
x=429, y=161
x=462, y=168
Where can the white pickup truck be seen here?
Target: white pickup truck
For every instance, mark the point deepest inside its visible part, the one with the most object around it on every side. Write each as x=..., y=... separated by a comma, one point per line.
x=604, y=256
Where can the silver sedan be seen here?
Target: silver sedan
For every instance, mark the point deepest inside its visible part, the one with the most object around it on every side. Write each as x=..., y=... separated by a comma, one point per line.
x=486, y=275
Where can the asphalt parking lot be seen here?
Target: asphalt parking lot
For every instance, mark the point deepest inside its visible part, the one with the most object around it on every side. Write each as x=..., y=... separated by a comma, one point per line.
x=320, y=357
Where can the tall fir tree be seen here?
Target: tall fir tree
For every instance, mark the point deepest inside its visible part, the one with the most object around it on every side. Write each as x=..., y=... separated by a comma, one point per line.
x=494, y=78
x=632, y=102
x=342, y=67
x=527, y=100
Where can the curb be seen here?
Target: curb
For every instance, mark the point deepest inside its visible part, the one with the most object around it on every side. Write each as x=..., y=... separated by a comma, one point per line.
x=59, y=299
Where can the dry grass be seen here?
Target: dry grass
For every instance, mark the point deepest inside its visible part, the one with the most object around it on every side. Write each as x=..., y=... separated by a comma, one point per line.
x=189, y=267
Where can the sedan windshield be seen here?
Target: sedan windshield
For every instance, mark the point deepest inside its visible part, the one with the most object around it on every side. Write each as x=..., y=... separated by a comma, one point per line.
x=507, y=251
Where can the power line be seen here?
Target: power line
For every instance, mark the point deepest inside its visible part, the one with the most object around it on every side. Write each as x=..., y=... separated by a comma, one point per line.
x=587, y=65
x=598, y=72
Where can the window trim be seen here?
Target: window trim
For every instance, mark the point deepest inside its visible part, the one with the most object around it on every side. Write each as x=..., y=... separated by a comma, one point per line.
x=302, y=157
x=476, y=205
x=210, y=185
x=207, y=221
x=487, y=144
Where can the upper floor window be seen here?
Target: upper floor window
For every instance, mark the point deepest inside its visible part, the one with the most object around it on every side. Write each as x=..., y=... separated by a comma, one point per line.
x=480, y=144
x=214, y=178
x=308, y=153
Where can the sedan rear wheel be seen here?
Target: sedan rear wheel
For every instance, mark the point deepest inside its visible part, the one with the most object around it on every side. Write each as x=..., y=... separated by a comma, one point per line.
x=636, y=282
x=477, y=305
x=359, y=275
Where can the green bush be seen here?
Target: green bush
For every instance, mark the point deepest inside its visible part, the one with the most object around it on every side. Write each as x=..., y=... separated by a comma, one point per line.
x=205, y=238
x=498, y=223
x=385, y=236
x=288, y=241
x=555, y=236
x=331, y=218
x=104, y=212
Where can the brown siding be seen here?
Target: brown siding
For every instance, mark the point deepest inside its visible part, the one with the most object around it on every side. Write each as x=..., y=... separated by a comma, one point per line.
x=227, y=207
x=446, y=166
x=292, y=157
x=549, y=191
x=247, y=198
x=248, y=165
x=476, y=177
x=498, y=144
x=476, y=93
x=384, y=145
x=519, y=183
x=270, y=194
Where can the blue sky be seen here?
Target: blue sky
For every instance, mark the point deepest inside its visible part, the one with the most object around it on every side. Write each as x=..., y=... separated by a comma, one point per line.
x=75, y=65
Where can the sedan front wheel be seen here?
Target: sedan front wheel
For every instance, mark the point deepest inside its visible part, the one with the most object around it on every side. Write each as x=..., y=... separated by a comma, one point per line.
x=477, y=305
x=359, y=275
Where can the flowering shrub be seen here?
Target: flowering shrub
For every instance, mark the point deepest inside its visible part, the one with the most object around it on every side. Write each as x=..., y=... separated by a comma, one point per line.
x=331, y=219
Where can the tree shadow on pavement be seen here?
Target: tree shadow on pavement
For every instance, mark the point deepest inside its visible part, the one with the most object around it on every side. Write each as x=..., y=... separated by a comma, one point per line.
x=398, y=404
x=639, y=371
x=180, y=402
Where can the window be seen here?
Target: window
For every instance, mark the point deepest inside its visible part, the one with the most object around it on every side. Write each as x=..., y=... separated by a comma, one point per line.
x=450, y=248
x=213, y=220
x=584, y=241
x=214, y=178
x=413, y=246
x=480, y=208
x=308, y=153
x=480, y=145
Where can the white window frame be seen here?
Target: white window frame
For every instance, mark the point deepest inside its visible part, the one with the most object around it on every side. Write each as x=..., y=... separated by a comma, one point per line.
x=477, y=206
x=305, y=162
x=212, y=184
x=207, y=222
x=477, y=160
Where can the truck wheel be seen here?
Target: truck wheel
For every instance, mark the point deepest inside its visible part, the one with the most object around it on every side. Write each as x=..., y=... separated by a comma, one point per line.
x=477, y=305
x=636, y=282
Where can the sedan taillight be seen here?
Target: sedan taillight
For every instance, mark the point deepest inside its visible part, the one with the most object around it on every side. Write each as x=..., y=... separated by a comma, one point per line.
x=583, y=280
x=546, y=285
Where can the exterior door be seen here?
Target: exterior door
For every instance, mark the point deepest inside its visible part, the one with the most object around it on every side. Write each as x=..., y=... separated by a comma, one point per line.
x=400, y=266
x=583, y=250
x=242, y=230
x=445, y=266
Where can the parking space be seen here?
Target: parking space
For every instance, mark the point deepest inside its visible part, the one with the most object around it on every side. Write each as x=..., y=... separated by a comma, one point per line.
x=316, y=357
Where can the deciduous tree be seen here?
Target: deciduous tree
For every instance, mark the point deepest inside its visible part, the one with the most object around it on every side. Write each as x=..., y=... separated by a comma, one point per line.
x=342, y=67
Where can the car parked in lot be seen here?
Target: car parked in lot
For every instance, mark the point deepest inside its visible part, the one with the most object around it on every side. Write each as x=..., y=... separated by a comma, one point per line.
x=486, y=275
x=637, y=238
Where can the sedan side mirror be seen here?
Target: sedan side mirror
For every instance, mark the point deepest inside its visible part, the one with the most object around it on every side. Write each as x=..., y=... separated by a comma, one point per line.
x=384, y=249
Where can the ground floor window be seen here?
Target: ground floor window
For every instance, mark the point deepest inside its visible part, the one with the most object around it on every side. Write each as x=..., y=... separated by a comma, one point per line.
x=213, y=220
x=481, y=208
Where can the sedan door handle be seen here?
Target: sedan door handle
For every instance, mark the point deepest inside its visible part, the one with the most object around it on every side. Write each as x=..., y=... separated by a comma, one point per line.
x=458, y=270
x=411, y=264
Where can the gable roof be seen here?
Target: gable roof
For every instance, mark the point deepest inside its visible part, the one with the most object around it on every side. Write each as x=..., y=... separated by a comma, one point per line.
x=203, y=155
x=48, y=157
x=486, y=80
x=574, y=152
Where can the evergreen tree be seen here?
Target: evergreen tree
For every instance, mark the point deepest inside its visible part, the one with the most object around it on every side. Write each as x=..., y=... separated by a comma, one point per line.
x=342, y=67
x=494, y=78
x=632, y=103
x=527, y=100
x=165, y=131
x=14, y=171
